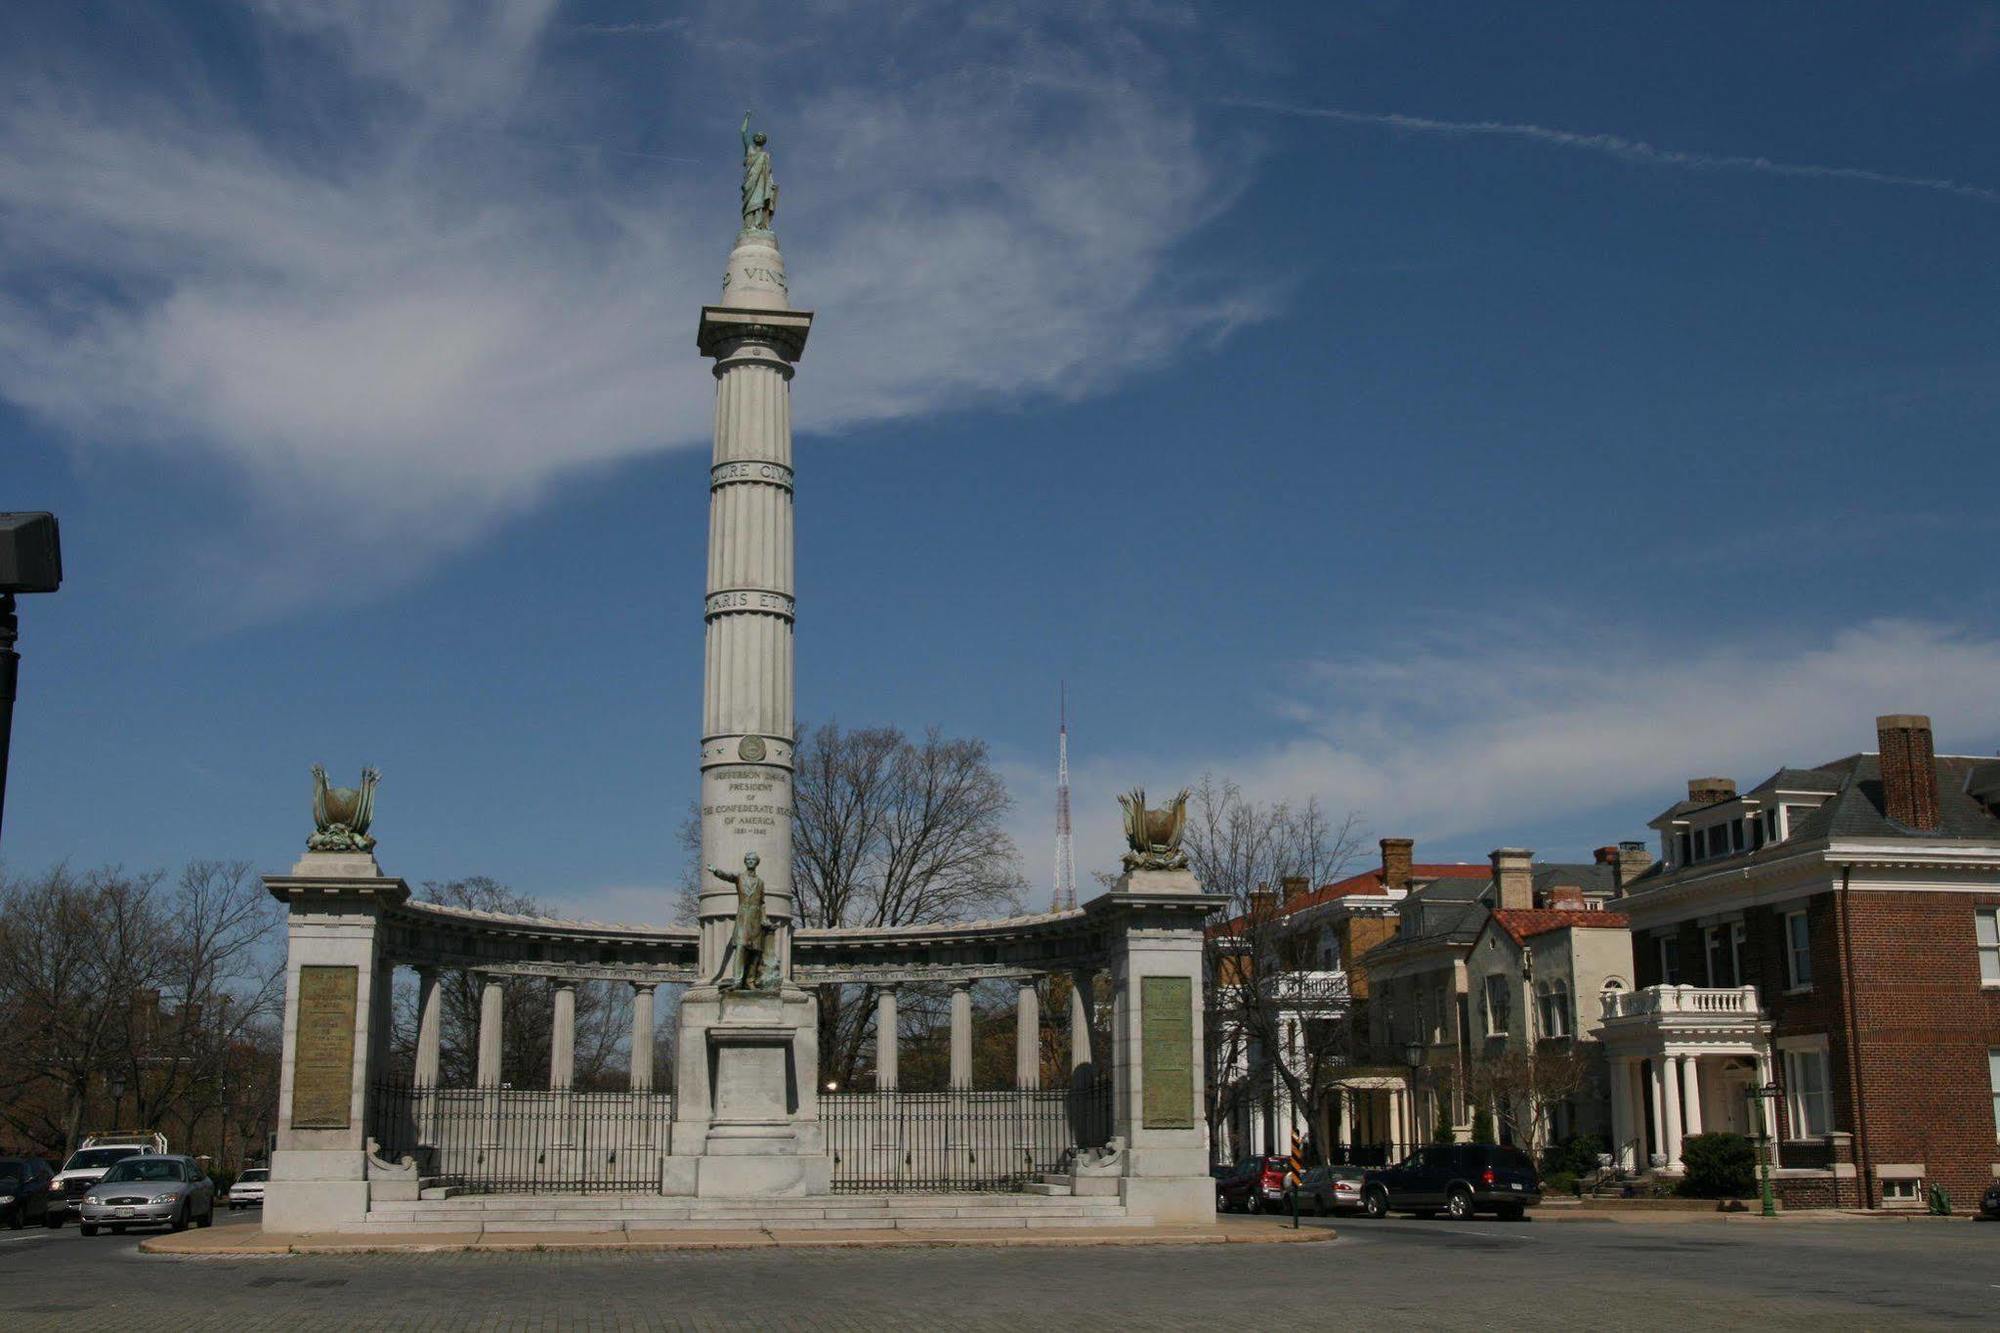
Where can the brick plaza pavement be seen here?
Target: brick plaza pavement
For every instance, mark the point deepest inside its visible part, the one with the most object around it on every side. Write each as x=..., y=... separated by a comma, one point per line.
x=1393, y=1274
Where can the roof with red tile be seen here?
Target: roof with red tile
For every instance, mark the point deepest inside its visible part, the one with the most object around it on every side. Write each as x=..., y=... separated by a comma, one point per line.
x=1367, y=883
x=1524, y=922
x=1370, y=882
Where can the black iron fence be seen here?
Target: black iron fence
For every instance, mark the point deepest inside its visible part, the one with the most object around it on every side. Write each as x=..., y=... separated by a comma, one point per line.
x=525, y=1141
x=892, y=1142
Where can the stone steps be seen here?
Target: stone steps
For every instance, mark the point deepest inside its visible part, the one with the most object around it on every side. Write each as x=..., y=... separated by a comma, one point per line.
x=527, y=1213
x=498, y=1213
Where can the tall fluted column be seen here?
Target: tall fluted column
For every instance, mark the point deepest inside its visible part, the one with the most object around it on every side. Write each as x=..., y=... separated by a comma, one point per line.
x=746, y=748
x=885, y=1040
x=642, y=1037
x=1027, y=1036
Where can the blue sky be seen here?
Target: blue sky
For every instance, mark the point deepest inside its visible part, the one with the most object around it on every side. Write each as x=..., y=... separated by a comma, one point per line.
x=1481, y=418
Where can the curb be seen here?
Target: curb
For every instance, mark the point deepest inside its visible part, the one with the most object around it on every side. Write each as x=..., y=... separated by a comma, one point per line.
x=184, y=1247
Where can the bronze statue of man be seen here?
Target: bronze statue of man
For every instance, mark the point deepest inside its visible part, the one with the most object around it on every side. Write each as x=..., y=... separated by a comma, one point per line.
x=760, y=191
x=746, y=958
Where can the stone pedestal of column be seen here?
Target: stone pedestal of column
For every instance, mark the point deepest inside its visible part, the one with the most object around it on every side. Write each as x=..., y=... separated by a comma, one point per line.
x=747, y=1123
x=333, y=1006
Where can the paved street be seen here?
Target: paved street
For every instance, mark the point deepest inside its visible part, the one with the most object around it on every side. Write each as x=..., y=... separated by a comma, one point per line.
x=1394, y=1274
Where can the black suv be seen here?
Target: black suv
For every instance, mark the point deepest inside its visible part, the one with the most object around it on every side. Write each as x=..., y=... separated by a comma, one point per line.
x=1460, y=1179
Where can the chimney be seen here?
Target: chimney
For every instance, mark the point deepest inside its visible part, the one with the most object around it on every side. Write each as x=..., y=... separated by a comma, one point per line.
x=1909, y=770
x=1397, y=857
x=1295, y=887
x=1634, y=858
x=1263, y=903
x=1707, y=791
x=1513, y=871
x=1567, y=897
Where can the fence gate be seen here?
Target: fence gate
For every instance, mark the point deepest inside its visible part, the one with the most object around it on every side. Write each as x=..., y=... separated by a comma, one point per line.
x=526, y=1141
x=889, y=1142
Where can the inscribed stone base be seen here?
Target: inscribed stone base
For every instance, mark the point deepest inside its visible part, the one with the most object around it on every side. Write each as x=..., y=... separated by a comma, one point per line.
x=1169, y=1200
x=314, y=1191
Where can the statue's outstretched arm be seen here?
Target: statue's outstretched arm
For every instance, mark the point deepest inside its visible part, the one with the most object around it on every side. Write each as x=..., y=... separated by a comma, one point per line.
x=746, y=131
x=724, y=875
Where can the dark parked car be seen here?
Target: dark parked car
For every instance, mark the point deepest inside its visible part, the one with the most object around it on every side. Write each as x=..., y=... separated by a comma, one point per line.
x=1331, y=1189
x=24, y=1191
x=1989, y=1203
x=1255, y=1185
x=1460, y=1179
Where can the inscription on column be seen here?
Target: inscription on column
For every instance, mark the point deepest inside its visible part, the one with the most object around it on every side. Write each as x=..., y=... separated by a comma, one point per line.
x=323, y=1048
x=1166, y=1029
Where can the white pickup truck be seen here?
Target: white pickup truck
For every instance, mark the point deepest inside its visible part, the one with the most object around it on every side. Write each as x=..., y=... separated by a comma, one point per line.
x=87, y=1165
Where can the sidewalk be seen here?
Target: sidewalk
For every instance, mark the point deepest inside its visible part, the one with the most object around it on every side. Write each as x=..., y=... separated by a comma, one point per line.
x=1608, y=1210
x=232, y=1241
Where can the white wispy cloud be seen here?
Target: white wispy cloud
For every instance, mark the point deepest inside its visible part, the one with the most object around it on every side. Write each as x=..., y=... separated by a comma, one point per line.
x=456, y=258
x=1471, y=739
x=1613, y=145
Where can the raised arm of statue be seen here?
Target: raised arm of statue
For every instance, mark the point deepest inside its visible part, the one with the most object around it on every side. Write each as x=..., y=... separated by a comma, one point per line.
x=724, y=875
x=746, y=133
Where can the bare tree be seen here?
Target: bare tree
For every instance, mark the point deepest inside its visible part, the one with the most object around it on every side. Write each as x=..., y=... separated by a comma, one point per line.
x=128, y=1001
x=1521, y=1086
x=1251, y=853
x=892, y=832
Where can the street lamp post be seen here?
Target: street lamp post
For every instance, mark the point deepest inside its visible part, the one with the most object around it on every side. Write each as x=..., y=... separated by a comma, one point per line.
x=1413, y=1056
x=1761, y=1101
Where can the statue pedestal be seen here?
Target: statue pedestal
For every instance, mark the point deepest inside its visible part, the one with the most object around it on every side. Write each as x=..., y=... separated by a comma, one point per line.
x=746, y=1116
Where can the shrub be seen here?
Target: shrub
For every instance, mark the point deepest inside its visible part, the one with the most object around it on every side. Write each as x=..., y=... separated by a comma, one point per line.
x=1560, y=1182
x=1576, y=1155
x=1719, y=1166
x=1441, y=1131
x=1482, y=1126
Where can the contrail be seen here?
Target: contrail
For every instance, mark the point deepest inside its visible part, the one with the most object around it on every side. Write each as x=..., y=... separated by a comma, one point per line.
x=1612, y=145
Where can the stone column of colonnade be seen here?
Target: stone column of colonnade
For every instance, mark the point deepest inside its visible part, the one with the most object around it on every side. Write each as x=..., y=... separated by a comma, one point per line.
x=1027, y=1037
x=887, y=1077
x=961, y=1034
x=642, y=1037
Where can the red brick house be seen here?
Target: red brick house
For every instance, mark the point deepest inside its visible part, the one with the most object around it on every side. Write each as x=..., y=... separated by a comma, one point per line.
x=1836, y=931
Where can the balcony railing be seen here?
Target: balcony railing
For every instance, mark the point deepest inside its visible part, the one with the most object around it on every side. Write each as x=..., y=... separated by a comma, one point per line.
x=1307, y=988
x=1698, y=1001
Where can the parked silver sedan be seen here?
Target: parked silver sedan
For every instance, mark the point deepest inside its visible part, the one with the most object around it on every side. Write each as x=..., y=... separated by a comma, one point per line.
x=150, y=1190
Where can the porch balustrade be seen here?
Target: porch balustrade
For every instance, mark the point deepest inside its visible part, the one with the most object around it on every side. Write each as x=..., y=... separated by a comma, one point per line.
x=1664, y=1001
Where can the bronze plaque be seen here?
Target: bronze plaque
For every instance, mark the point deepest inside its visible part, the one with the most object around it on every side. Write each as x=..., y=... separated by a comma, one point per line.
x=323, y=1048
x=1166, y=1026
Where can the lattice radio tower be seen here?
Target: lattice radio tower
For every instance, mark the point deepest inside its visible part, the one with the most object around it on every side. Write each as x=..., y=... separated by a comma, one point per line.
x=1065, y=894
